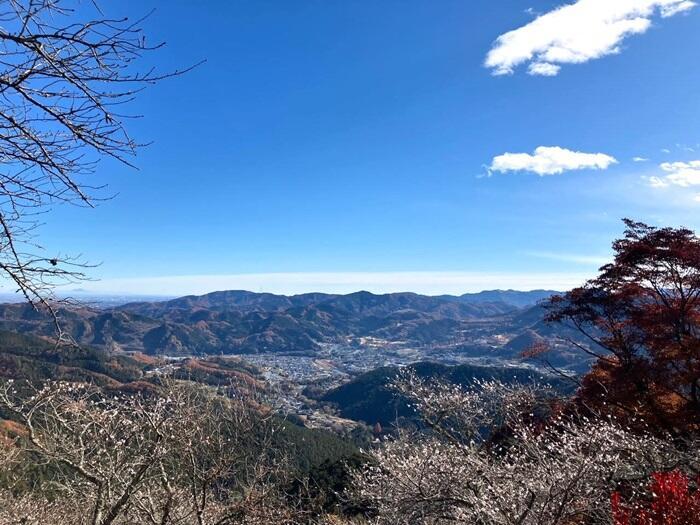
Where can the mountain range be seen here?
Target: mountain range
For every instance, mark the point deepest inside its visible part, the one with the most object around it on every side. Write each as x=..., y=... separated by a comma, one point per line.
x=239, y=322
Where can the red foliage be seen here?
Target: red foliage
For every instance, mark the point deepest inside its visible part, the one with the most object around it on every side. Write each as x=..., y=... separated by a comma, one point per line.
x=643, y=314
x=672, y=503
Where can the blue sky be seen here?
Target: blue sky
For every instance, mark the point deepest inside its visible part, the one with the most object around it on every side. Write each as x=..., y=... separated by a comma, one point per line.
x=353, y=144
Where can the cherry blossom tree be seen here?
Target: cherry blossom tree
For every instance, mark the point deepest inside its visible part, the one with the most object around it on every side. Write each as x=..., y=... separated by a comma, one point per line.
x=556, y=473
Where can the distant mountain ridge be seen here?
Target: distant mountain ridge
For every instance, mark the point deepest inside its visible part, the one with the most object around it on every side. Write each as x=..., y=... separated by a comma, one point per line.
x=237, y=321
x=516, y=298
x=242, y=299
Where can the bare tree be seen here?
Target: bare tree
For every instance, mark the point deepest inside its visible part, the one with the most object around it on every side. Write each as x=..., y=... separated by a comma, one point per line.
x=186, y=456
x=100, y=449
x=64, y=81
x=33, y=509
x=223, y=466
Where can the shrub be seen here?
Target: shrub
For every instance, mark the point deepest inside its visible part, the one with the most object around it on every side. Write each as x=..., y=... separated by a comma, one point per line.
x=671, y=502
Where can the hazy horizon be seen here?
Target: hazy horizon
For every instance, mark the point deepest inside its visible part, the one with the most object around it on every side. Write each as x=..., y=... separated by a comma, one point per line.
x=423, y=283
x=285, y=283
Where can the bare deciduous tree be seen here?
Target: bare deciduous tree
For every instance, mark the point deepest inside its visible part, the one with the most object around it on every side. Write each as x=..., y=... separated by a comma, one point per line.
x=64, y=81
x=100, y=449
x=222, y=466
x=187, y=456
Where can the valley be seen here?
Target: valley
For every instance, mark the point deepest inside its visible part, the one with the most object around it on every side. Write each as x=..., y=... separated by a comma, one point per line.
x=300, y=348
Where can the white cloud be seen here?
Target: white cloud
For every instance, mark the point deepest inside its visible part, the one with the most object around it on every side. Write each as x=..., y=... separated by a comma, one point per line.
x=425, y=282
x=673, y=8
x=576, y=33
x=640, y=159
x=550, y=160
x=684, y=174
x=543, y=69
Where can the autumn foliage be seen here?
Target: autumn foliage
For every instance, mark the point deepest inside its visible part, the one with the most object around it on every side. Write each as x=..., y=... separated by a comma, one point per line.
x=641, y=318
x=672, y=502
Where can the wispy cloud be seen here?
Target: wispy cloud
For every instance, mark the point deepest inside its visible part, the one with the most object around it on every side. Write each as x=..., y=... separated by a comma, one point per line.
x=550, y=160
x=576, y=33
x=640, y=159
x=589, y=260
x=427, y=282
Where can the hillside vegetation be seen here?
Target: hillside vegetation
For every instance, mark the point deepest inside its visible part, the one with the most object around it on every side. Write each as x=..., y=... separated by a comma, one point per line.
x=371, y=397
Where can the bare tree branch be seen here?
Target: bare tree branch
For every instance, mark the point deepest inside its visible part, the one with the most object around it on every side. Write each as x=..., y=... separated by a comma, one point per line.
x=63, y=81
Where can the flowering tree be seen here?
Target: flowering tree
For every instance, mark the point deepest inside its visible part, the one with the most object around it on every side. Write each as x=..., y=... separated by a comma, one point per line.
x=33, y=509
x=469, y=415
x=556, y=474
